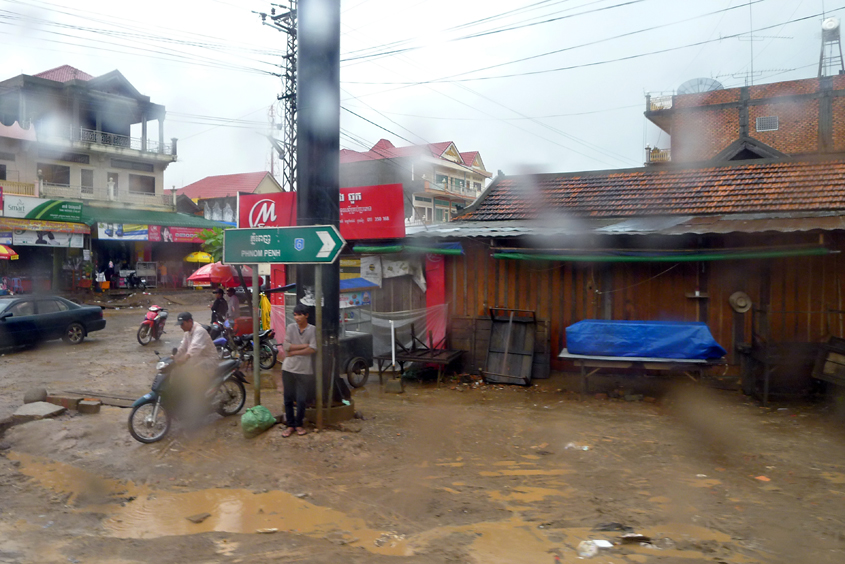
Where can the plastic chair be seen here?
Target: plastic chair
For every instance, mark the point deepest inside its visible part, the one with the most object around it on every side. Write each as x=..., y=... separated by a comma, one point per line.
x=17, y=286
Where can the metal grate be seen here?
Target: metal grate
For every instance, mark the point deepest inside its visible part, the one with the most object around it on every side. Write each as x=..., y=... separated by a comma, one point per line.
x=767, y=123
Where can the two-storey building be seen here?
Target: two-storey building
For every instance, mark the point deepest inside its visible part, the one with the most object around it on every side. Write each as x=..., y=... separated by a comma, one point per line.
x=82, y=163
x=437, y=179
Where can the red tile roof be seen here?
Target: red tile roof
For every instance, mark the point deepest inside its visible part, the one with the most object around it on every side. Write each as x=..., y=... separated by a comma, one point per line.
x=64, y=73
x=223, y=186
x=740, y=188
x=384, y=149
x=468, y=157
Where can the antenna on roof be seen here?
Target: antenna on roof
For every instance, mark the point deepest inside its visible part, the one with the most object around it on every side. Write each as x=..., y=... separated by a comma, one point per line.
x=830, y=58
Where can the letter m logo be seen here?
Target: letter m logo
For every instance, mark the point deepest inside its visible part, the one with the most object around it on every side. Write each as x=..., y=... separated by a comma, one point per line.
x=262, y=213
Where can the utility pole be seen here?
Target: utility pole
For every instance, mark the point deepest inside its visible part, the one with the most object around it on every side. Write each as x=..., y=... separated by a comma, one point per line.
x=318, y=192
x=286, y=22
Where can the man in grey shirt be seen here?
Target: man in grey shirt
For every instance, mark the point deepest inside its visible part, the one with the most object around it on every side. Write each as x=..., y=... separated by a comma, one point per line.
x=298, y=368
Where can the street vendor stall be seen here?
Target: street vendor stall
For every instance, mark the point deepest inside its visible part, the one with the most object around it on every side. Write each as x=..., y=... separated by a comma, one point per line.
x=667, y=346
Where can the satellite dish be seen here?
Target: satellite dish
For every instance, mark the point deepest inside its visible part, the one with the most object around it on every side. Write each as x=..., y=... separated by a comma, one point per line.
x=740, y=302
x=830, y=24
x=698, y=85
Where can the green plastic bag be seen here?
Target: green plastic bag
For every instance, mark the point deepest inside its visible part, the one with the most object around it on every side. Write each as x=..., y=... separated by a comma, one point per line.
x=256, y=420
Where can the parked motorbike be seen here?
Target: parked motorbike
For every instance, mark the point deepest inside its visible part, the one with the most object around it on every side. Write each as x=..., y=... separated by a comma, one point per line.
x=134, y=282
x=153, y=413
x=152, y=327
x=240, y=346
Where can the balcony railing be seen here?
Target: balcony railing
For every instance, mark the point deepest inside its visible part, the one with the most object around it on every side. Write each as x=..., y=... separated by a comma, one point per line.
x=656, y=103
x=656, y=155
x=18, y=188
x=115, y=140
x=65, y=191
x=108, y=140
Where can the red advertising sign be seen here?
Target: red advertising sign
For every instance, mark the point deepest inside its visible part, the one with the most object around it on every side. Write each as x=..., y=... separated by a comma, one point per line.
x=174, y=234
x=372, y=212
x=267, y=210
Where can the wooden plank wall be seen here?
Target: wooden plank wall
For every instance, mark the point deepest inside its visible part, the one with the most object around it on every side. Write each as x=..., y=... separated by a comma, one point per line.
x=398, y=294
x=798, y=290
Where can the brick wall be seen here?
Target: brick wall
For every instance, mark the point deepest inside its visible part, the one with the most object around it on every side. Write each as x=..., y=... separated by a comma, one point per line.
x=707, y=98
x=798, y=126
x=701, y=128
x=789, y=88
x=701, y=134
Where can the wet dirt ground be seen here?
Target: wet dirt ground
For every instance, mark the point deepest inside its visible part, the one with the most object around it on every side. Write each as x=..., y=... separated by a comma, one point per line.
x=458, y=473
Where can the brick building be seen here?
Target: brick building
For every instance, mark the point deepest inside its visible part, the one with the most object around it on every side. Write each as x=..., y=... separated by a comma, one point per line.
x=783, y=119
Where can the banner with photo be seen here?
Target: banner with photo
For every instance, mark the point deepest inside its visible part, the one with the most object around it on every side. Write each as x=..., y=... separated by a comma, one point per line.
x=47, y=239
x=122, y=231
x=167, y=234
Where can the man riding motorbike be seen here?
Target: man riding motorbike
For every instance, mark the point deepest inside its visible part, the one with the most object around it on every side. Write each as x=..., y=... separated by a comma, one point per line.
x=196, y=360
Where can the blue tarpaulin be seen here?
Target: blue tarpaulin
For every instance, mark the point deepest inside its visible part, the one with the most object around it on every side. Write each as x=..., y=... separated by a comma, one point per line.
x=656, y=339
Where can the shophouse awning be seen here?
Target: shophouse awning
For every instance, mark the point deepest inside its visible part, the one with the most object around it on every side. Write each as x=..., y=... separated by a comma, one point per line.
x=92, y=215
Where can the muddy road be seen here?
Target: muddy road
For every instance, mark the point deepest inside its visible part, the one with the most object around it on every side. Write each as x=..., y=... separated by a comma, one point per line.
x=461, y=473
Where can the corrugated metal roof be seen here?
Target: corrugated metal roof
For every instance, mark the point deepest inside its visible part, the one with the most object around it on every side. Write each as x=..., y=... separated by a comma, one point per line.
x=784, y=222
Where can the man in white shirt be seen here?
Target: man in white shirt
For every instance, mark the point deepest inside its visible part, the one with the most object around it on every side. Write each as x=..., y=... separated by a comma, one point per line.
x=196, y=349
x=196, y=360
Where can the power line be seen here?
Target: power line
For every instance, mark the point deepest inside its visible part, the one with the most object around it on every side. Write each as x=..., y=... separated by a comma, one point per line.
x=452, y=79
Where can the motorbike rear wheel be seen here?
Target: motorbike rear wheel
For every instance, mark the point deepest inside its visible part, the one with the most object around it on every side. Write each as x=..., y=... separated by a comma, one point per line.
x=232, y=396
x=267, y=357
x=145, y=334
x=146, y=429
x=357, y=372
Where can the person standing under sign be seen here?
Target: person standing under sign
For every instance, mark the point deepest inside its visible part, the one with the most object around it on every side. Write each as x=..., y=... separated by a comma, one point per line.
x=219, y=308
x=234, y=305
x=298, y=368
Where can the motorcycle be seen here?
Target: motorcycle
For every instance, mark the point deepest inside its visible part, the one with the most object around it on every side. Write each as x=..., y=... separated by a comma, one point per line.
x=152, y=327
x=241, y=346
x=153, y=413
x=134, y=282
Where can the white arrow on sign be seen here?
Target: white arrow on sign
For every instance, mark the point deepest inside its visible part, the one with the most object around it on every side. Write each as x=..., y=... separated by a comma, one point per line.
x=328, y=244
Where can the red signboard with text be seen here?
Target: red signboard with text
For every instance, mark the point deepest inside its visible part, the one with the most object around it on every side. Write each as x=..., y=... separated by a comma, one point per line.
x=372, y=212
x=267, y=210
x=366, y=212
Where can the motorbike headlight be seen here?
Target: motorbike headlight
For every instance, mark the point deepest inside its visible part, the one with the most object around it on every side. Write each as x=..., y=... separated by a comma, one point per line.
x=161, y=365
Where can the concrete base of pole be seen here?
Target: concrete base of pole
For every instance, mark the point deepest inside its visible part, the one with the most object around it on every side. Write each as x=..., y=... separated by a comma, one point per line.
x=333, y=415
x=395, y=386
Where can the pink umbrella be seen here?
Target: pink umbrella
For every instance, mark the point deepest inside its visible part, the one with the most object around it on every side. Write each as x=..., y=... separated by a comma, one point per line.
x=221, y=274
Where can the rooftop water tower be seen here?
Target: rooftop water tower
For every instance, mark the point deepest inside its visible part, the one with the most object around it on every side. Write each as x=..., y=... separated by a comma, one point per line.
x=830, y=59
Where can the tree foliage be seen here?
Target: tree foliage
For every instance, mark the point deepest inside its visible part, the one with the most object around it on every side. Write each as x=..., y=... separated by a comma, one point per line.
x=212, y=242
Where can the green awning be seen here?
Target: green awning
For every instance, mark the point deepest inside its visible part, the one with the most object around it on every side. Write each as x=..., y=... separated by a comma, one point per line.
x=669, y=257
x=91, y=215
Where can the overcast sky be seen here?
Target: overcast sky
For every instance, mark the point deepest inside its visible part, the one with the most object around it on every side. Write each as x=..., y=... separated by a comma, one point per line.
x=545, y=86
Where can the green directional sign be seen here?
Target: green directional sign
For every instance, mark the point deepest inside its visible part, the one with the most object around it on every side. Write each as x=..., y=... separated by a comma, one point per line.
x=310, y=244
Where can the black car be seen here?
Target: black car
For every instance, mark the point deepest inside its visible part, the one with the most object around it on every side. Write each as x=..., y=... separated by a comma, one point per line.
x=27, y=320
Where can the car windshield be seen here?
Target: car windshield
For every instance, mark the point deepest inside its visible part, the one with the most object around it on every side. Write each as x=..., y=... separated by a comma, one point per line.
x=4, y=304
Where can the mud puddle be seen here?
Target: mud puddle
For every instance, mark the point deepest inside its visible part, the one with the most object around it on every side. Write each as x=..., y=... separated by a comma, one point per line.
x=140, y=511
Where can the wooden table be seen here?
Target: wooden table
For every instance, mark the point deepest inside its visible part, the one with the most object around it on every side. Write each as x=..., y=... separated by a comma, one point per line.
x=688, y=366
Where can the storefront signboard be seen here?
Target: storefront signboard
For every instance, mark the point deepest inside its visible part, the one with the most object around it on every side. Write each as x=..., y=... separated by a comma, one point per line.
x=47, y=239
x=8, y=223
x=5, y=237
x=122, y=231
x=372, y=212
x=168, y=234
x=39, y=208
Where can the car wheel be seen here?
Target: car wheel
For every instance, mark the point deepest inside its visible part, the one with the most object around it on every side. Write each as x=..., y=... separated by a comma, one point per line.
x=74, y=334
